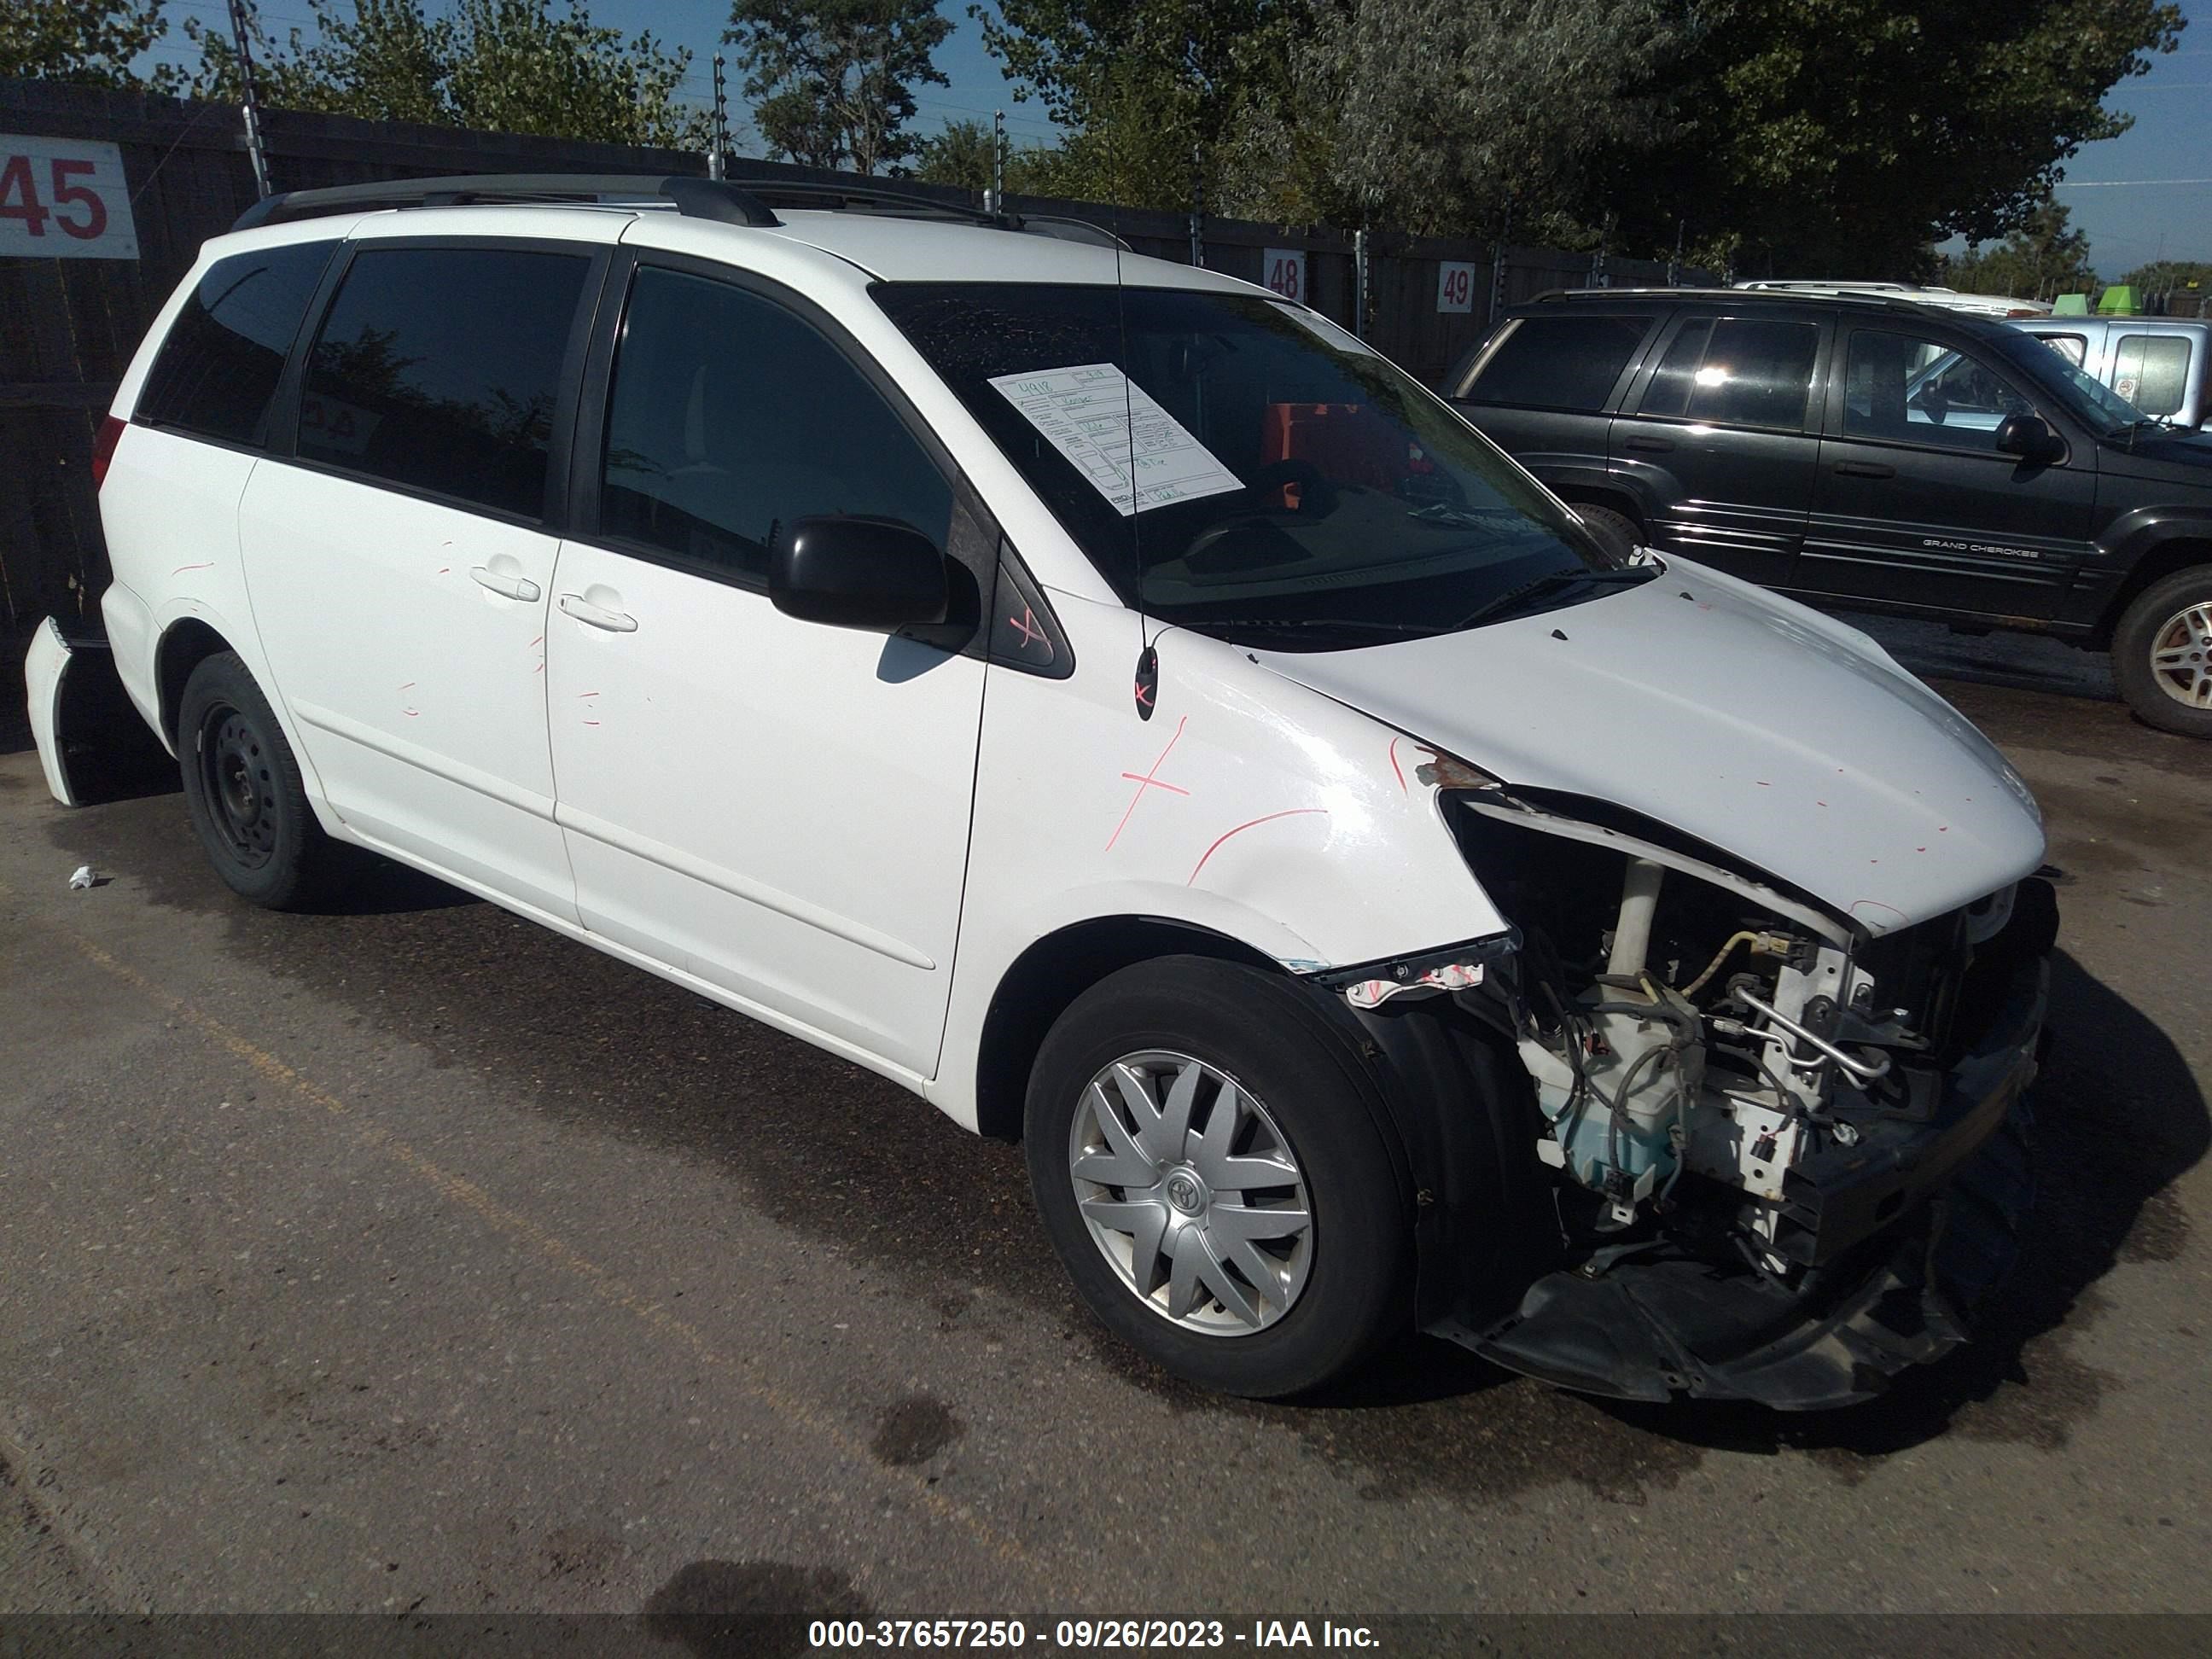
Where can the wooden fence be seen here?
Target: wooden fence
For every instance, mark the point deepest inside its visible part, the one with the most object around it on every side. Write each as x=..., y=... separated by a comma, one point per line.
x=68, y=327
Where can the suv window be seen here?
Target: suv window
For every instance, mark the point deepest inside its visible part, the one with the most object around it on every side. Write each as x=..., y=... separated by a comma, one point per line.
x=730, y=414
x=1922, y=390
x=217, y=373
x=2151, y=371
x=438, y=367
x=2072, y=347
x=1558, y=362
x=1737, y=371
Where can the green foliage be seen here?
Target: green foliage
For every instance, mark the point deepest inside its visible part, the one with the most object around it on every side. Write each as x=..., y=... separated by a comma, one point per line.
x=2042, y=257
x=1157, y=94
x=92, y=45
x=1836, y=137
x=2180, y=275
x=961, y=155
x=495, y=65
x=834, y=80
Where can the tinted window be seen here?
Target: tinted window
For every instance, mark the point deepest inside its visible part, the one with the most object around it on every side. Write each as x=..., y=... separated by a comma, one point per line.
x=2151, y=371
x=1738, y=371
x=2072, y=347
x=730, y=414
x=439, y=368
x=1923, y=391
x=1559, y=362
x=217, y=373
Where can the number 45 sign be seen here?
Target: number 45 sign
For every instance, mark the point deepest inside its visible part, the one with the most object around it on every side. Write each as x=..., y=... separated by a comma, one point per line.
x=63, y=198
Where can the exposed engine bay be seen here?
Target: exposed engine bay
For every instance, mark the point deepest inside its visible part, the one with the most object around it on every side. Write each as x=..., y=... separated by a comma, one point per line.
x=1731, y=1083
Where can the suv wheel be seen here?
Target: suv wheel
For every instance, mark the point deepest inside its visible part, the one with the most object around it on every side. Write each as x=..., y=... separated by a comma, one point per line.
x=243, y=791
x=1203, y=1151
x=2162, y=653
x=1615, y=531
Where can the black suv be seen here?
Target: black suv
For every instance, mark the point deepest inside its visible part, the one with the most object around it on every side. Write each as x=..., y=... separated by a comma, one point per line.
x=1868, y=452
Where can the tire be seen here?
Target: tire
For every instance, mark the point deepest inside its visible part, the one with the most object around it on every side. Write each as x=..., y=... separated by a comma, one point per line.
x=1616, y=532
x=1306, y=1108
x=243, y=790
x=2171, y=619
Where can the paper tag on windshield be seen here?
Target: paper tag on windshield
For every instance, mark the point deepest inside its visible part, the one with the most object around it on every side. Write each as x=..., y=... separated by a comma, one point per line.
x=1135, y=455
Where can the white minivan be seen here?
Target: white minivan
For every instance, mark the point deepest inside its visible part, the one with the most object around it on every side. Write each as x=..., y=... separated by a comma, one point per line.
x=1111, y=701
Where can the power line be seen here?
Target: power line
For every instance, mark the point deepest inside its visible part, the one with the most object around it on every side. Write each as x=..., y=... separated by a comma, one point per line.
x=2117, y=184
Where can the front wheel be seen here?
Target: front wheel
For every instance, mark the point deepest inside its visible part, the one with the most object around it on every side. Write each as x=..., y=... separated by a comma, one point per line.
x=1204, y=1148
x=2162, y=653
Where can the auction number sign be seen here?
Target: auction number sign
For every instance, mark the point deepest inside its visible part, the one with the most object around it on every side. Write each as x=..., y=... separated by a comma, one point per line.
x=1454, y=286
x=64, y=198
x=1284, y=270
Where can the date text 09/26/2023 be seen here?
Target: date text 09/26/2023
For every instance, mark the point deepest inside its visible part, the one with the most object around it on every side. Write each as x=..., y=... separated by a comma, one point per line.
x=1088, y=1635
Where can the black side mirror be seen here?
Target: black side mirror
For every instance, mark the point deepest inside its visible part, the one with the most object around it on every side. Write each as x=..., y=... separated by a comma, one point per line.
x=2028, y=437
x=853, y=572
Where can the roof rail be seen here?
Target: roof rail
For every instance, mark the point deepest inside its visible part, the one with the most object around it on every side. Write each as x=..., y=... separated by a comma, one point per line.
x=1904, y=303
x=871, y=198
x=696, y=198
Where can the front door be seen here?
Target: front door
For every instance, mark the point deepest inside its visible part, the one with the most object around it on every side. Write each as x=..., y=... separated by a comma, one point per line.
x=1915, y=507
x=1720, y=442
x=400, y=567
x=777, y=807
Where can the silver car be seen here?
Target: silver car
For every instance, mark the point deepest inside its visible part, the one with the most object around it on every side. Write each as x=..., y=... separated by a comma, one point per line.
x=2162, y=365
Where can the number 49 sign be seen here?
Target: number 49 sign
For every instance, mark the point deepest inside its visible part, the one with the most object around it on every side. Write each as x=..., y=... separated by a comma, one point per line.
x=64, y=198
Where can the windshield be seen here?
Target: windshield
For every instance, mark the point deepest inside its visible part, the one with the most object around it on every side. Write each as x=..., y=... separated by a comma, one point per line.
x=2088, y=400
x=1287, y=483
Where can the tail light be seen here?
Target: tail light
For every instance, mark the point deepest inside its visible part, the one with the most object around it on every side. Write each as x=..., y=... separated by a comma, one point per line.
x=103, y=448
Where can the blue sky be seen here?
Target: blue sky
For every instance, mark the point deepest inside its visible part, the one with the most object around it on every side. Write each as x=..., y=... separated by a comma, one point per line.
x=2145, y=193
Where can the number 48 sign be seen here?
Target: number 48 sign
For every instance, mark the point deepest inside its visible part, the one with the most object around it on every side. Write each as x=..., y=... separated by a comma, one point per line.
x=63, y=198
x=1284, y=269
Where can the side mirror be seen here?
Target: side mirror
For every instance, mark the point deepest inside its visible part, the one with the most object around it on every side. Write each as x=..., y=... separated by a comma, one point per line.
x=2028, y=437
x=848, y=571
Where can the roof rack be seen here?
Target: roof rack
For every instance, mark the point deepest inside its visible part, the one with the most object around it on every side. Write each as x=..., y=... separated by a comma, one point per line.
x=1904, y=303
x=724, y=200
x=696, y=198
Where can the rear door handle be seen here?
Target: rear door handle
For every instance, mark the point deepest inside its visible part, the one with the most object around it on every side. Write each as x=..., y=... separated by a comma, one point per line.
x=597, y=615
x=1865, y=470
x=1646, y=443
x=513, y=587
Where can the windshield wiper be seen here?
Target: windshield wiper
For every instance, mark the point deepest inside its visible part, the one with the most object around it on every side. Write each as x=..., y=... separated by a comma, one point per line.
x=1551, y=579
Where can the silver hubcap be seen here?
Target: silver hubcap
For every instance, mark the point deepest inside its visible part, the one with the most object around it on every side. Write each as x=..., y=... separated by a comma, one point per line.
x=1192, y=1192
x=2181, y=657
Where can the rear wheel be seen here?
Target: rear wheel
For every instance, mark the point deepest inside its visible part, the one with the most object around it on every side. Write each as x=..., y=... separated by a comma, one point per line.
x=2162, y=653
x=1616, y=532
x=1205, y=1156
x=243, y=791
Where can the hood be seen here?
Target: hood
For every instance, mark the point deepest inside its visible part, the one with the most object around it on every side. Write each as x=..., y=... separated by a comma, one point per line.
x=2179, y=457
x=1788, y=740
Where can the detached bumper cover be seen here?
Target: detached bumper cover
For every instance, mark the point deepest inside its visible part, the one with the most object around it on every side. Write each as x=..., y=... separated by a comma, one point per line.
x=1654, y=1327
x=92, y=744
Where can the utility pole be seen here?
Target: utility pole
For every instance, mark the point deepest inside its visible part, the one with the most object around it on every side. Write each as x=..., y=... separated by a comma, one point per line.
x=1497, y=265
x=252, y=97
x=1359, y=282
x=721, y=123
x=1197, y=207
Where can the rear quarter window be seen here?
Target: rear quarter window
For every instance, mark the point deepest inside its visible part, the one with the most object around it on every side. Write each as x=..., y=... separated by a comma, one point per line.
x=215, y=375
x=2151, y=371
x=1557, y=363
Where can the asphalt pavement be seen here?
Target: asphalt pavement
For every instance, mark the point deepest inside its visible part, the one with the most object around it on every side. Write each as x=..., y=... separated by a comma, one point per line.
x=413, y=1259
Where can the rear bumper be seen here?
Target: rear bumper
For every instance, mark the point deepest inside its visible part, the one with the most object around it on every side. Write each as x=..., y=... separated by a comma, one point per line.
x=1671, y=1323
x=93, y=743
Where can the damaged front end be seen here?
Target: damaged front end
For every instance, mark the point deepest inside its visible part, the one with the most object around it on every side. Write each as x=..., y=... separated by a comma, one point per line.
x=1783, y=1156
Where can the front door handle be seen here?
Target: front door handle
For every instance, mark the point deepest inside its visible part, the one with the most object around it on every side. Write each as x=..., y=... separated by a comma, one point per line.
x=513, y=587
x=1646, y=443
x=598, y=615
x=1865, y=470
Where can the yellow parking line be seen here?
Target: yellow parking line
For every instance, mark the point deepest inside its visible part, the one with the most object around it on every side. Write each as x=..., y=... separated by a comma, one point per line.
x=605, y=1284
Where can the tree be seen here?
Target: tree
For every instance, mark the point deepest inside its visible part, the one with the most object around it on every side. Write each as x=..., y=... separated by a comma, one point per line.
x=961, y=155
x=834, y=80
x=2042, y=257
x=497, y=65
x=1442, y=116
x=1839, y=137
x=1157, y=94
x=92, y=45
x=2178, y=275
